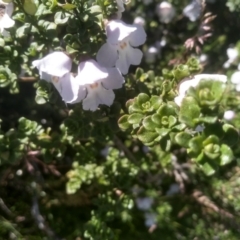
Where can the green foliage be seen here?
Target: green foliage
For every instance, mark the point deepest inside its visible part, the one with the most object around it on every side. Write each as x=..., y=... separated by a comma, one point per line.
x=233, y=5
x=143, y=168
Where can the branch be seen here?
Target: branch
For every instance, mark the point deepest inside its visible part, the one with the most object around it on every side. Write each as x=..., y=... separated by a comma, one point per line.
x=126, y=151
x=40, y=221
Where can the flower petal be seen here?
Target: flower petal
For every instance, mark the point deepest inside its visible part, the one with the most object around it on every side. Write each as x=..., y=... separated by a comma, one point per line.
x=235, y=78
x=90, y=72
x=120, y=5
x=138, y=37
x=117, y=30
x=193, y=10
x=9, y=9
x=215, y=77
x=82, y=93
x=57, y=83
x=165, y=12
x=69, y=88
x=232, y=54
x=96, y=97
x=184, y=86
x=45, y=76
x=5, y=33
x=122, y=63
x=114, y=80
x=6, y=21
x=107, y=55
x=178, y=99
x=134, y=56
x=55, y=64
x=130, y=56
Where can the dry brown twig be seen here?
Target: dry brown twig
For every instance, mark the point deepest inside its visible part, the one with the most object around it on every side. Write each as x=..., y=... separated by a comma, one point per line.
x=205, y=201
x=203, y=33
x=180, y=176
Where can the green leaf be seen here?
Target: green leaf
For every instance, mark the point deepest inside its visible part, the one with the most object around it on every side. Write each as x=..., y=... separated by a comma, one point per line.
x=30, y=7
x=149, y=124
x=167, y=109
x=123, y=122
x=181, y=72
x=162, y=131
x=2, y=42
x=129, y=103
x=156, y=118
x=211, y=139
x=146, y=136
x=231, y=136
x=208, y=119
x=155, y=102
x=135, y=118
x=40, y=100
x=226, y=155
x=195, y=144
x=139, y=72
x=179, y=127
x=193, y=64
x=208, y=169
x=142, y=98
x=210, y=92
x=61, y=17
x=212, y=151
x=67, y=6
x=70, y=50
x=172, y=121
x=23, y=30
x=189, y=111
x=183, y=139
x=134, y=108
x=42, y=10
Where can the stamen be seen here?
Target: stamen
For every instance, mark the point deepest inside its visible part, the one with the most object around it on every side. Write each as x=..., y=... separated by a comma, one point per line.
x=94, y=85
x=55, y=79
x=123, y=45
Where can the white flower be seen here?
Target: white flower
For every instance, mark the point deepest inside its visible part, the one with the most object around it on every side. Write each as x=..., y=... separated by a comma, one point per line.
x=232, y=54
x=96, y=84
x=6, y=10
x=163, y=42
x=184, y=86
x=165, y=12
x=119, y=51
x=55, y=68
x=150, y=219
x=235, y=79
x=193, y=10
x=121, y=8
x=151, y=54
x=203, y=58
x=199, y=128
x=144, y=203
x=66, y=85
x=229, y=115
x=55, y=64
x=139, y=20
x=173, y=189
x=120, y=5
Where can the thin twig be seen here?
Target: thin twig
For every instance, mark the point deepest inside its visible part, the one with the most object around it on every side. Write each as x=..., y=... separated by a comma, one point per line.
x=5, y=209
x=126, y=151
x=40, y=221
